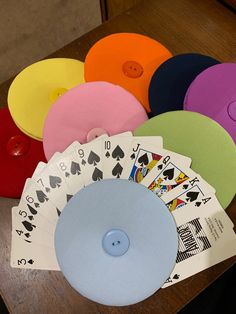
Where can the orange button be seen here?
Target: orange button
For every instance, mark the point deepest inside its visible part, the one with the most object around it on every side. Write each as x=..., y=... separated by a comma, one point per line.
x=18, y=145
x=132, y=69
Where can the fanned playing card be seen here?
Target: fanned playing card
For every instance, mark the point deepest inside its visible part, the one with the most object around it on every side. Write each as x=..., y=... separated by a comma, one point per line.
x=203, y=226
x=206, y=238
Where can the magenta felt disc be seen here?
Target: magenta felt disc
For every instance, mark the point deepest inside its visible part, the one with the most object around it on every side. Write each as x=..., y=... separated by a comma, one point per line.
x=87, y=111
x=213, y=93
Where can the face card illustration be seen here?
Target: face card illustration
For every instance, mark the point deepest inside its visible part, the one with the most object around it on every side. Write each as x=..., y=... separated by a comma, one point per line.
x=190, y=191
x=169, y=178
x=90, y=160
x=32, y=256
x=143, y=164
x=114, y=154
x=38, y=202
x=54, y=186
x=29, y=232
x=144, y=153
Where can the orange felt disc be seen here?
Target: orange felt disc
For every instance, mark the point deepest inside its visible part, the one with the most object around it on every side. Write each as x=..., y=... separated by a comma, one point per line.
x=126, y=59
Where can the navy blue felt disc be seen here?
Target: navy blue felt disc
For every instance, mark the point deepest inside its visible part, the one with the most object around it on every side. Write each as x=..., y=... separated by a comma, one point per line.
x=172, y=78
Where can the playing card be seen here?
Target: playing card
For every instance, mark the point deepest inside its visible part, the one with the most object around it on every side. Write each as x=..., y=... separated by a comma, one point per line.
x=29, y=232
x=25, y=212
x=191, y=191
x=32, y=256
x=171, y=176
x=69, y=165
x=38, y=201
x=145, y=157
x=206, y=238
x=89, y=157
x=114, y=152
x=54, y=186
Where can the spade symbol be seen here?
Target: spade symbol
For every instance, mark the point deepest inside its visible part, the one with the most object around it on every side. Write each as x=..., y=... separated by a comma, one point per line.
x=54, y=181
x=36, y=205
x=198, y=204
x=118, y=153
x=143, y=160
x=192, y=196
x=132, y=156
x=32, y=210
x=185, y=186
x=58, y=212
x=75, y=168
x=93, y=158
x=28, y=225
x=68, y=197
x=67, y=174
x=117, y=170
x=27, y=235
x=160, y=167
x=97, y=174
x=83, y=162
x=41, y=196
x=31, y=261
x=107, y=154
x=48, y=190
x=176, y=276
x=31, y=217
x=168, y=174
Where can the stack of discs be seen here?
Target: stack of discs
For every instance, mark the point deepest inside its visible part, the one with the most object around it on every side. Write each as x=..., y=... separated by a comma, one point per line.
x=86, y=112
x=126, y=59
x=172, y=78
x=36, y=88
x=213, y=93
x=19, y=155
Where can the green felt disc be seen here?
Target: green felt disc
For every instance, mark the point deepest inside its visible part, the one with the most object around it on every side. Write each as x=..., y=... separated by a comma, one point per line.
x=211, y=148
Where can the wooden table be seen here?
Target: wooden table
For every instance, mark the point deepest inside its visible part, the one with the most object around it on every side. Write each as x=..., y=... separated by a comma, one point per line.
x=203, y=26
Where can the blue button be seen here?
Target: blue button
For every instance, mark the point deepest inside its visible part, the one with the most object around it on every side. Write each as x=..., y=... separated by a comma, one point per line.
x=115, y=242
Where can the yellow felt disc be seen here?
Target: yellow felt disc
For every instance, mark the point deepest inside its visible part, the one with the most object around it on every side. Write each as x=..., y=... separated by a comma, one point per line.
x=37, y=87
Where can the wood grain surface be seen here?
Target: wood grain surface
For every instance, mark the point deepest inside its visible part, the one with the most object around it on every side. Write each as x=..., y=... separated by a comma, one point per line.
x=183, y=26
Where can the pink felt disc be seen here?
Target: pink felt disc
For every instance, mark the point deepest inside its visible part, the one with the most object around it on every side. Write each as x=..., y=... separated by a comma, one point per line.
x=87, y=111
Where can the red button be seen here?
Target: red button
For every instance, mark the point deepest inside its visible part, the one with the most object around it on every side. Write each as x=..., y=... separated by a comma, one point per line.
x=94, y=133
x=132, y=69
x=18, y=145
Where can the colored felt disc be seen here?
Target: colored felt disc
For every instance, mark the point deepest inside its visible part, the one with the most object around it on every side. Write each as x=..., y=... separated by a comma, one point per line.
x=213, y=93
x=19, y=155
x=114, y=238
x=211, y=148
x=37, y=87
x=126, y=59
x=87, y=111
x=172, y=78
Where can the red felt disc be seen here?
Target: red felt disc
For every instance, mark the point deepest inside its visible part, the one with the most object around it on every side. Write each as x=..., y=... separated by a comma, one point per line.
x=19, y=156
